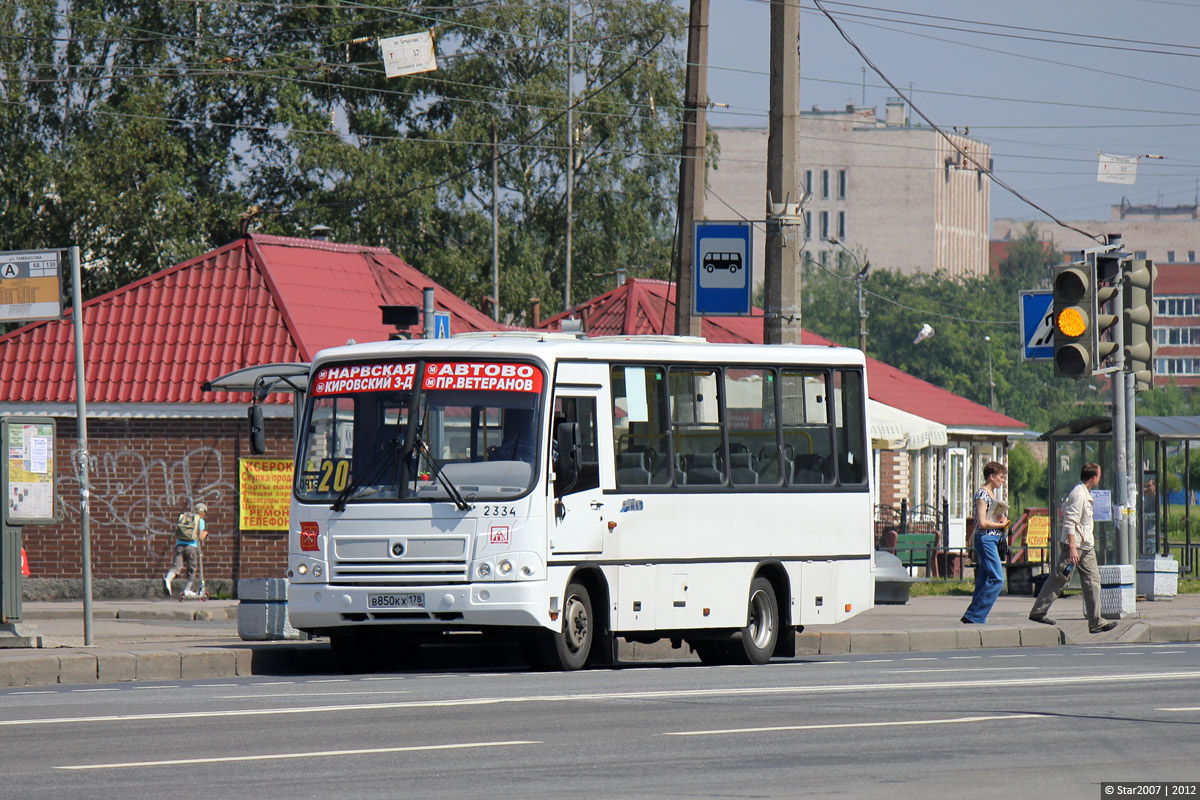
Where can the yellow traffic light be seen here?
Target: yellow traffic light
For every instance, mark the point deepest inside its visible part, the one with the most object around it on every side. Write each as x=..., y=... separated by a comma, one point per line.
x=1071, y=322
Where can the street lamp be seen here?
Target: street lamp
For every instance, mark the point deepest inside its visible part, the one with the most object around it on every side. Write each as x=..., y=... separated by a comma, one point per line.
x=859, y=278
x=991, y=383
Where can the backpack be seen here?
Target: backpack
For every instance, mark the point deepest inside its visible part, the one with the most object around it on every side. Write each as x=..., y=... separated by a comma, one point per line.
x=187, y=527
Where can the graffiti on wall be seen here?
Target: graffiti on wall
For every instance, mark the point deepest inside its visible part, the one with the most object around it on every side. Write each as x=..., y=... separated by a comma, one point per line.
x=141, y=497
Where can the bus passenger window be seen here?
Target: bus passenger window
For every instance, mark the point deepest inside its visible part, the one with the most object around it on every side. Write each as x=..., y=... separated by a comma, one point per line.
x=851, y=440
x=750, y=426
x=807, y=438
x=640, y=427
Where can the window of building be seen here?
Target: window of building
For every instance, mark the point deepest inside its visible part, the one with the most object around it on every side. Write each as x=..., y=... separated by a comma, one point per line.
x=1184, y=306
x=808, y=181
x=1139, y=254
x=808, y=230
x=841, y=226
x=824, y=225
x=1170, y=256
x=1177, y=336
x=841, y=184
x=1191, y=256
x=1177, y=366
x=824, y=183
x=824, y=258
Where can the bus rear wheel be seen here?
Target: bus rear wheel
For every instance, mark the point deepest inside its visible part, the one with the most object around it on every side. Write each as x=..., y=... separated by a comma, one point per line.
x=570, y=647
x=759, y=637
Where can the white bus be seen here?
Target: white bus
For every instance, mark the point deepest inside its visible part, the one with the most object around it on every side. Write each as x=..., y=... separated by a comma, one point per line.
x=563, y=492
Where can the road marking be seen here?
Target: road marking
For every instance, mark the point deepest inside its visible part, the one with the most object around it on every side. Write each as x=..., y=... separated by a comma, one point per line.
x=832, y=726
x=665, y=694
x=275, y=756
x=151, y=688
x=328, y=680
x=922, y=658
x=965, y=658
x=216, y=685
x=1189, y=708
x=959, y=669
x=39, y=691
x=80, y=691
x=1014, y=655
x=308, y=694
x=876, y=661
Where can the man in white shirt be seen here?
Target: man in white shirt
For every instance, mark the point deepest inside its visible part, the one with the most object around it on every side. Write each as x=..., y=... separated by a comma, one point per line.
x=1078, y=552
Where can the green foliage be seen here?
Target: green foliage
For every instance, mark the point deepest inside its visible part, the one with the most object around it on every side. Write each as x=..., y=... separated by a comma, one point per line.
x=148, y=133
x=1028, y=481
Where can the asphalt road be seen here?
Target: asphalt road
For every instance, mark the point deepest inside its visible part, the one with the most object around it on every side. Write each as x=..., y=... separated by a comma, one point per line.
x=1052, y=722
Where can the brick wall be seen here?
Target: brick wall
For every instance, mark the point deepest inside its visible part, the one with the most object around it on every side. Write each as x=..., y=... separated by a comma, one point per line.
x=142, y=473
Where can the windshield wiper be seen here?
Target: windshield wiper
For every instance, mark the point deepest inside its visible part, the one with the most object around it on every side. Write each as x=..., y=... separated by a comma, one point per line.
x=452, y=490
x=370, y=473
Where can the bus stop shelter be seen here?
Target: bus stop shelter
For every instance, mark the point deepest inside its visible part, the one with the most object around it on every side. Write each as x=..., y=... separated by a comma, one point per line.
x=1168, y=479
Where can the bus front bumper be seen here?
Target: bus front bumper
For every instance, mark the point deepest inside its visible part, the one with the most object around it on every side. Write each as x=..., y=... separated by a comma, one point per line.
x=315, y=606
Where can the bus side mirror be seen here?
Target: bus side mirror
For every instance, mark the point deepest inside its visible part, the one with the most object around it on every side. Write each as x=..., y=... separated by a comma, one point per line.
x=566, y=460
x=258, y=436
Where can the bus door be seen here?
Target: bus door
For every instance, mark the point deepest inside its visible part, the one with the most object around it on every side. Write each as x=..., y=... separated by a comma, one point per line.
x=578, y=513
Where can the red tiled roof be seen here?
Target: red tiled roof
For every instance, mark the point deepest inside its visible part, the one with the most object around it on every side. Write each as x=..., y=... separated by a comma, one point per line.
x=648, y=307
x=258, y=300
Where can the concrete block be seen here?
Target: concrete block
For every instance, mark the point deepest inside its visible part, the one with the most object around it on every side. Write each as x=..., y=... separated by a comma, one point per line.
x=158, y=665
x=808, y=644
x=263, y=589
x=968, y=636
x=1169, y=631
x=835, y=642
x=1194, y=632
x=1137, y=632
x=208, y=664
x=1158, y=577
x=932, y=639
x=1040, y=636
x=1118, y=597
x=29, y=670
x=878, y=641
x=244, y=661
x=77, y=668
x=264, y=621
x=115, y=667
x=999, y=636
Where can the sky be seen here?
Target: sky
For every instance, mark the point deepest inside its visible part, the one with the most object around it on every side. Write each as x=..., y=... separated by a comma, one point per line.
x=1045, y=105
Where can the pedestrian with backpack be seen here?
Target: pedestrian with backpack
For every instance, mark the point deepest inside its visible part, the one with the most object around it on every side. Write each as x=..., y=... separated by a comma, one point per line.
x=190, y=531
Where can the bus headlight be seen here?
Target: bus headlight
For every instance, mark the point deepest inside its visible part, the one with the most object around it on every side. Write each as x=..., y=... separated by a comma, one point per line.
x=484, y=570
x=302, y=568
x=506, y=566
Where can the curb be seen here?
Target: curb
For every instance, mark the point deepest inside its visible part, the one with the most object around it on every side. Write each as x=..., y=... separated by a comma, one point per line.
x=78, y=666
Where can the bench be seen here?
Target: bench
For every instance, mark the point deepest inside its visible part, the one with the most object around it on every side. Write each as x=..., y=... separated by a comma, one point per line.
x=915, y=549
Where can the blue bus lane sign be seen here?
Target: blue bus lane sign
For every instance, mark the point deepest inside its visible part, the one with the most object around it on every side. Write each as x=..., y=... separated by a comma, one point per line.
x=722, y=273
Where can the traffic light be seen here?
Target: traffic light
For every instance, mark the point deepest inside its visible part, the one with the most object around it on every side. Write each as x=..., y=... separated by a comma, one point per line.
x=1078, y=302
x=1138, y=318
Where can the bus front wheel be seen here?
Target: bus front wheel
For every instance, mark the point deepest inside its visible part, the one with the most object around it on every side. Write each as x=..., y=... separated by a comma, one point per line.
x=569, y=648
x=761, y=633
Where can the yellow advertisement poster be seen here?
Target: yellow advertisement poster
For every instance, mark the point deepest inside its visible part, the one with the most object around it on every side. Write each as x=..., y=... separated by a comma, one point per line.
x=1037, y=535
x=265, y=487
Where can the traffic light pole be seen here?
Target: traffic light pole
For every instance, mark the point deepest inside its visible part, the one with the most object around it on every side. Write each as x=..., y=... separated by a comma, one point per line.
x=1131, y=481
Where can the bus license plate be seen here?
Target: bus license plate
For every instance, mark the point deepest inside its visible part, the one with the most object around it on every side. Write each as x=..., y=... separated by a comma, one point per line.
x=410, y=600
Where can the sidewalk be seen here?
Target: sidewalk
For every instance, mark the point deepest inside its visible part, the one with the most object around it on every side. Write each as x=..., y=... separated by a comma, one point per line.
x=164, y=640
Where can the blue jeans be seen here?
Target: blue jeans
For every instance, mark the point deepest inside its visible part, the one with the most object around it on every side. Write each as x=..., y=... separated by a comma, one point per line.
x=989, y=577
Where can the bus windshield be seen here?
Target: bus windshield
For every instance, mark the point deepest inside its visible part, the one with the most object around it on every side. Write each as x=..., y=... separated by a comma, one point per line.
x=474, y=426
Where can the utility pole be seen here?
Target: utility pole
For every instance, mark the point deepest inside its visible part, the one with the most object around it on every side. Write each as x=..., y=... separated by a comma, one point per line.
x=692, y=165
x=781, y=322
x=495, y=223
x=570, y=147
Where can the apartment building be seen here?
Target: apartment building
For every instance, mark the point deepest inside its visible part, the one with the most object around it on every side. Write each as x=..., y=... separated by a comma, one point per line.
x=897, y=194
x=1164, y=234
x=1177, y=324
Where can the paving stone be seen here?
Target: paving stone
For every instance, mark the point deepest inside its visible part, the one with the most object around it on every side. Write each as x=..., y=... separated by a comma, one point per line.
x=77, y=668
x=999, y=636
x=208, y=664
x=39, y=670
x=879, y=641
x=835, y=642
x=1038, y=635
x=932, y=639
x=1169, y=631
x=115, y=667
x=158, y=665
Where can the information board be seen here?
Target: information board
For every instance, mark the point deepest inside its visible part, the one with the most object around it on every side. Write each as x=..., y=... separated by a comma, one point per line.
x=265, y=493
x=30, y=285
x=28, y=470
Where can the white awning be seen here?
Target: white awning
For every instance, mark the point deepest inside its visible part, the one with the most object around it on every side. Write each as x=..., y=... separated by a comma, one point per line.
x=893, y=429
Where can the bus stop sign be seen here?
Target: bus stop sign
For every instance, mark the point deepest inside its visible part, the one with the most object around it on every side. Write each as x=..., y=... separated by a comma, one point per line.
x=722, y=274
